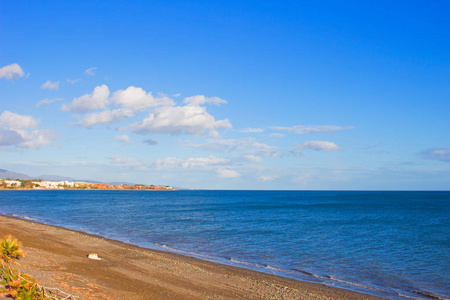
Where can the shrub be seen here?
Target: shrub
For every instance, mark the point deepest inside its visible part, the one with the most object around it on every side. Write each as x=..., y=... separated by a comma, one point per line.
x=10, y=248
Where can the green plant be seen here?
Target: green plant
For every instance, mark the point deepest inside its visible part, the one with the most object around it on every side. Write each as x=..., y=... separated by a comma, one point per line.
x=21, y=287
x=24, y=288
x=29, y=293
x=10, y=248
x=7, y=275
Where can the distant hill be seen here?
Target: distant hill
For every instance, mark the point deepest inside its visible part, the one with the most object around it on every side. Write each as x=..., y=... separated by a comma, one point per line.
x=4, y=174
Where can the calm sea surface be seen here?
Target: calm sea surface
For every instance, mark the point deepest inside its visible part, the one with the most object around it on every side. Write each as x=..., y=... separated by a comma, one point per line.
x=393, y=244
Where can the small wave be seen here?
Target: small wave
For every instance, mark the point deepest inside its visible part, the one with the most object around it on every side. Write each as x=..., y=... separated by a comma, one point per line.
x=189, y=253
x=24, y=217
x=244, y=263
x=268, y=267
x=430, y=295
x=304, y=272
x=294, y=272
x=355, y=284
x=169, y=248
x=410, y=297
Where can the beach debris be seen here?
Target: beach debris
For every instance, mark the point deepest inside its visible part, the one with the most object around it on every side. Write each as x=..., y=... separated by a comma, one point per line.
x=93, y=256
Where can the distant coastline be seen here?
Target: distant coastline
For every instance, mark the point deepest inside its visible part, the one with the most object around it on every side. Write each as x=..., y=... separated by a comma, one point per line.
x=39, y=184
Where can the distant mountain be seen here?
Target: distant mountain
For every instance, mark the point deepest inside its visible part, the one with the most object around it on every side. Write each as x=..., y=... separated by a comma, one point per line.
x=4, y=174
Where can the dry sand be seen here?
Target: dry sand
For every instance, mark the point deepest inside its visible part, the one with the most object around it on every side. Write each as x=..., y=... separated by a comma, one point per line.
x=57, y=257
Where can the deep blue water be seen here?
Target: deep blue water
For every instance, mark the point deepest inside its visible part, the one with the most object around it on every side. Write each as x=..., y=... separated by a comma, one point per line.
x=392, y=244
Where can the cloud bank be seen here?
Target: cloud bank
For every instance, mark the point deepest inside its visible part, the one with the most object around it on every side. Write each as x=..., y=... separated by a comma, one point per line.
x=164, y=116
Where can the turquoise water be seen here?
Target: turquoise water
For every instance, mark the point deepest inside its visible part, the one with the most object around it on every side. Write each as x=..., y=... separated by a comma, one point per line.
x=391, y=244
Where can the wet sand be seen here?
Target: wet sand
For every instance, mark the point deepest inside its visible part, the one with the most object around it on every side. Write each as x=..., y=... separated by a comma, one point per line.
x=57, y=257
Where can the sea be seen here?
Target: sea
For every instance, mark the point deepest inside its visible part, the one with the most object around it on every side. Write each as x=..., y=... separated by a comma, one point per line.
x=390, y=244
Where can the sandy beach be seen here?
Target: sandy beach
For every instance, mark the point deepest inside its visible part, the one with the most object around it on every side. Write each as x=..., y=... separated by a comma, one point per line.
x=57, y=257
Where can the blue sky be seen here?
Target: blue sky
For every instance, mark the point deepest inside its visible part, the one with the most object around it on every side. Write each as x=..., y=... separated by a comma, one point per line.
x=228, y=94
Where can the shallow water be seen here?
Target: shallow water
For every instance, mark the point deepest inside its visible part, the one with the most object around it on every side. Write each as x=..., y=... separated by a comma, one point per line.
x=392, y=244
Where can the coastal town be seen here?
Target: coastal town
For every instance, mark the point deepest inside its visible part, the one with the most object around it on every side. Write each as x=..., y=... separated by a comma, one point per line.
x=38, y=184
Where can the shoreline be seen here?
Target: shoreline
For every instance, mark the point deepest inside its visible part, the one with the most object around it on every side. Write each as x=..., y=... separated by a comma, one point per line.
x=57, y=256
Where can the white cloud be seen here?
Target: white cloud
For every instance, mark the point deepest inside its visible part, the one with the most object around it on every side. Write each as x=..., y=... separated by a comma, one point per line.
x=276, y=135
x=123, y=138
x=189, y=119
x=48, y=101
x=267, y=153
x=36, y=138
x=201, y=99
x=25, y=139
x=19, y=131
x=12, y=71
x=227, y=173
x=302, y=129
x=50, y=85
x=98, y=99
x=210, y=163
x=195, y=163
x=319, y=146
x=440, y=154
x=267, y=178
x=90, y=71
x=163, y=117
x=15, y=121
x=73, y=81
x=106, y=117
x=137, y=98
x=252, y=130
x=228, y=145
x=252, y=158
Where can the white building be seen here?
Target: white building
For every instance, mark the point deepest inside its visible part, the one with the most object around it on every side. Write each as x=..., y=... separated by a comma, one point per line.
x=12, y=183
x=53, y=184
